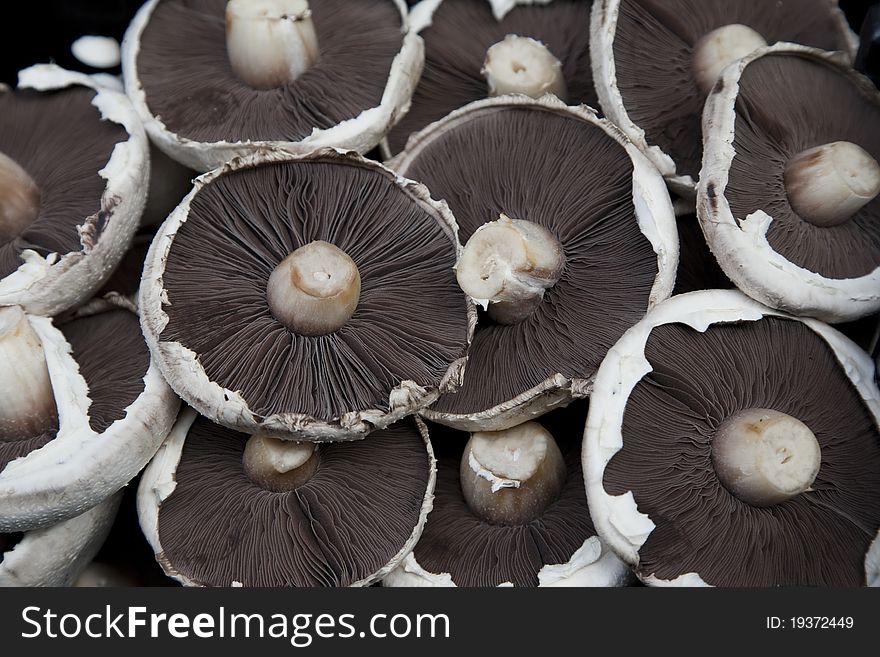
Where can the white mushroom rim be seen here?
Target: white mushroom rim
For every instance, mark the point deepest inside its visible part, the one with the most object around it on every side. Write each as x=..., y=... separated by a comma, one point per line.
x=186, y=374
x=56, y=555
x=740, y=244
x=52, y=284
x=656, y=220
x=617, y=517
x=79, y=467
x=603, y=27
x=593, y=564
x=421, y=14
x=359, y=134
x=158, y=483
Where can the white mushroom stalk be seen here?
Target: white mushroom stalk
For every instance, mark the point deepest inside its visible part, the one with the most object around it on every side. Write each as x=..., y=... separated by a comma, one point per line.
x=279, y=465
x=765, y=457
x=315, y=290
x=510, y=477
x=828, y=184
x=721, y=47
x=270, y=42
x=27, y=403
x=19, y=199
x=522, y=65
x=507, y=265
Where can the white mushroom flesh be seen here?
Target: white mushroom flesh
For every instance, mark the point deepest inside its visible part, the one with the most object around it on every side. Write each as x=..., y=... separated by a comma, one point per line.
x=19, y=199
x=270, y=42
x=828, y=184
x=510, y=477
x=507, y=266
x=721, y=47
x=765, y=457
x=279, y=465
x=522, y=65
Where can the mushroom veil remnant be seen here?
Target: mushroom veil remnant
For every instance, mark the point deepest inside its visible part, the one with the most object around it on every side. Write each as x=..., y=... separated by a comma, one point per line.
x=729, y=444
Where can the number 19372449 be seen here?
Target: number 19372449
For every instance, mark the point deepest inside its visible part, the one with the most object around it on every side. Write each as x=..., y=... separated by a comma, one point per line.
x=810, y=623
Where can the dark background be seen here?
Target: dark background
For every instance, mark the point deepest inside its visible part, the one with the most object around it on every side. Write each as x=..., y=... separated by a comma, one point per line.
x=42, y=31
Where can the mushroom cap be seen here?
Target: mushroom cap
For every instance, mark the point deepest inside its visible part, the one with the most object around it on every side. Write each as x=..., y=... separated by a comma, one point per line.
x=659, y=395
x=403, y=346
x=93, y=188
x=320, y=123
x=350, y=524
x=56, y=555
x=614, y=221
x=664, y=126
x=559, y=548
x=763, y=246
x=114, y=410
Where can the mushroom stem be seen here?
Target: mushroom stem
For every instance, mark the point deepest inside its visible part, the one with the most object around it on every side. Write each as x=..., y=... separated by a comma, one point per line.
x=270, y=42
x=765, y=457
x=27, y=403
x=510, y=477
x=522, y=65
x=279, y=465
x=19, y=199
x=721, y=47
x=828, y=184
x=507, y=265
x=315, y=290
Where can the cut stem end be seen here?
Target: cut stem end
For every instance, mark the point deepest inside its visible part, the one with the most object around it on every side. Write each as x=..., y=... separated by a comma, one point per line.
x=510, y=477
x=721, y=47
x=19, y=199
x=522, y=65
x=278, y=465
x=765, y=457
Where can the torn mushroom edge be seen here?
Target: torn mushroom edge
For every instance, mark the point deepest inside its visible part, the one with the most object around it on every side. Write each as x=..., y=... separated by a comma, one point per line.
x=80, y=467
x=617, y=517
x=421, y=14
x=603, y=27
x=159, y=481
x=52, y=284
x=227, y=407
x=741, y=246
x=360, y=133
x=56, y=555
x=656, y=219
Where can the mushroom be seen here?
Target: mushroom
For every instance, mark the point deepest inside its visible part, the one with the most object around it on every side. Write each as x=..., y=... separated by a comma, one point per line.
x=475, y=50
x=56, y=555
x=566, y=253
x=788, y=195
x=82, y=410
x=222, y=508
x=260, y=73
x=510, y=509
x=729, y=444
x=307, y=297
x=73, y=180
x=655, y=61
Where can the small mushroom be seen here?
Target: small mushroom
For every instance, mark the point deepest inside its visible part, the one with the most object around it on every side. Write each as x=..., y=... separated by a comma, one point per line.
x=565, y=251
x=655, y=62
x=788, y=195
x=56, y=555
x=269, y=73
x=729, y=444
x=510, y=508
x=221, y=508
x=309, y=297
x=73, y=180
x=82, y=410
x=487, y=48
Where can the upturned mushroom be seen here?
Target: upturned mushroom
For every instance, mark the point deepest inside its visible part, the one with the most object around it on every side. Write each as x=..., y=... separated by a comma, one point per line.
x=82, y=410
x=486, y=48
x=788, y=198
x=510, y=509
x=222, y=508
x=308, y=298
x=729, y=444
x=269, y=73
x=74, y=170
x=655, y=62
x=56, y=555
x=570, y=238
